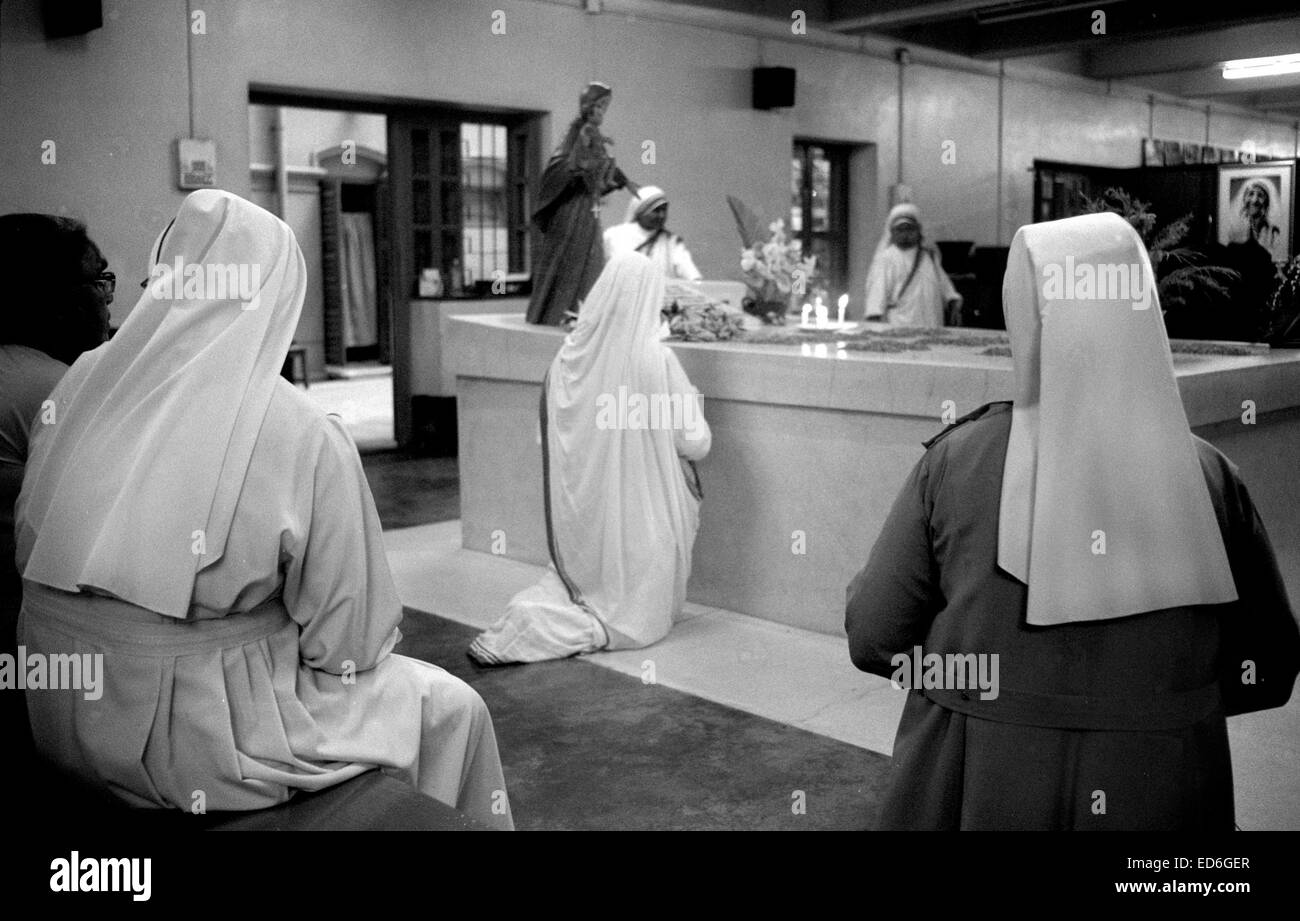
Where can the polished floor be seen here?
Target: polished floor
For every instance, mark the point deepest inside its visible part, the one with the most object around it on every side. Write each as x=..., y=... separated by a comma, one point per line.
x=796, y=678
x=588, y=748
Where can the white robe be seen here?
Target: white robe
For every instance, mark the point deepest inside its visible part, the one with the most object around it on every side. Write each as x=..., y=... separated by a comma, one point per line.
x=257, y=661
x=668, y=253
x=315, y=699
x=922, y=303
x=622, y=500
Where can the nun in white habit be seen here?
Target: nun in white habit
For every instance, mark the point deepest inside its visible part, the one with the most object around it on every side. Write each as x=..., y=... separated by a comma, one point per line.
x=621, y=429
x=906, y=283
x=1103, y=569
x=643, y=231
x=189, y=515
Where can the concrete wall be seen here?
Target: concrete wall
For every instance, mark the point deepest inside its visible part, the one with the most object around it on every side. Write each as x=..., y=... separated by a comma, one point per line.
x=303, y=215
x=116, y=99
x=309, y=131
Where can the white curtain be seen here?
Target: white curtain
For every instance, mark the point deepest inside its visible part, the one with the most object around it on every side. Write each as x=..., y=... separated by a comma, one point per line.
x=357, y=245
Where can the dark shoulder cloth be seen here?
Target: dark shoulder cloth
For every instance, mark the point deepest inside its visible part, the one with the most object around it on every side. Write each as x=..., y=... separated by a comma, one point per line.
x=969, y=417
x=1259, y=635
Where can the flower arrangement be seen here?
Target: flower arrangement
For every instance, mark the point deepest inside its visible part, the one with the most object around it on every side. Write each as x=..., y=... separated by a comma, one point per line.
x=772, y=266
x=694, y=318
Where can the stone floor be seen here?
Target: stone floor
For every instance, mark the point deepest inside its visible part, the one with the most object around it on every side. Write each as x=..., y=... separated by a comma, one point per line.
x=782, y=674
x=793, y=677
x=588, y=748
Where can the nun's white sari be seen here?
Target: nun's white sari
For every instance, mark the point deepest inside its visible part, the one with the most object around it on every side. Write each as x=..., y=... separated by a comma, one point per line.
x=907, y=287
x=622, y=497
x=194, y=519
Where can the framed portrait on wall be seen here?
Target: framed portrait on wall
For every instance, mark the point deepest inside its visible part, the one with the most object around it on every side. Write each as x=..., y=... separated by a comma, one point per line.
x=1255, y=203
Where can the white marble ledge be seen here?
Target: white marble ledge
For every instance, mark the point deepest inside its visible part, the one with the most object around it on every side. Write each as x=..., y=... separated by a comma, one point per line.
x=913, y=383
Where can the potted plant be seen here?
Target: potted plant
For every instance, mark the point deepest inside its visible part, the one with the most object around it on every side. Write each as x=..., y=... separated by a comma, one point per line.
x=772, y=265
x=1182, y=276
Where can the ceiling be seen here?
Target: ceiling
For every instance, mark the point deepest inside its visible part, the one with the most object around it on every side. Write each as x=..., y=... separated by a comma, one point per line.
x=1168, y=47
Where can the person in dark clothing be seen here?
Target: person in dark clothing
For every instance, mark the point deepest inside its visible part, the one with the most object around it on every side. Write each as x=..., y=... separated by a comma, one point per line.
x=1112, y=562
x=57, y=294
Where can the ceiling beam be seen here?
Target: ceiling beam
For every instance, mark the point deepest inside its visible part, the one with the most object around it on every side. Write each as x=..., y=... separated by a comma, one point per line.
x=906, y=14
x=1209, y=84
x=1122, y=60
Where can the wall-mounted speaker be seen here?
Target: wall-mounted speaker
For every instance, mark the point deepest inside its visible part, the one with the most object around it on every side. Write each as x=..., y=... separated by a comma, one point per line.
x=773, y=87
x=65, y=18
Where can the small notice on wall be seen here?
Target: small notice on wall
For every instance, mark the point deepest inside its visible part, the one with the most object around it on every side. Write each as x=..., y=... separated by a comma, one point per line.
x=197, y=162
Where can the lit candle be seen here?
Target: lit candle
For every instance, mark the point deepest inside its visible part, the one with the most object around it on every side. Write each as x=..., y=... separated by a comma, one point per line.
x=821, y=312
x=844, y=302
x=807, y=309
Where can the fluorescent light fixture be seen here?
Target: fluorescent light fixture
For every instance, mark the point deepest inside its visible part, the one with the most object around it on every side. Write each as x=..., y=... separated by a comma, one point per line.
x=1261, y=67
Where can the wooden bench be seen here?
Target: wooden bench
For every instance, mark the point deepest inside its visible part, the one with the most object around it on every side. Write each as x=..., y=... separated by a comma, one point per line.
x=372, y=801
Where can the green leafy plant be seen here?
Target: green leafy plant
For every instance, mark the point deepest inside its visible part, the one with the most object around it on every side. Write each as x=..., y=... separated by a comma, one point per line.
x=1180, y=273
x=1281, y=320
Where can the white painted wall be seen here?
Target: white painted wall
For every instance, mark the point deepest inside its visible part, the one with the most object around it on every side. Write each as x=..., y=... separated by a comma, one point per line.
x=116, y=99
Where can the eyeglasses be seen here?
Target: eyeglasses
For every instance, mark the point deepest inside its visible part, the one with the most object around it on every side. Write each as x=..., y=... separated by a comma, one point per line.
x=106, y=282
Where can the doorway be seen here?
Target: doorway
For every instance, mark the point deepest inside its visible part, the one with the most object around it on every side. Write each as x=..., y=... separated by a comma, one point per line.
x=324, y=171
x=443, y=192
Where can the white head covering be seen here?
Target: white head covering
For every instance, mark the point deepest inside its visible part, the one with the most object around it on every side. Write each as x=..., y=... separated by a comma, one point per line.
x=132, y=490
x=898, y=212
x=622, y=517
x=901, y=212
x=1099, y=439
x=647, y=198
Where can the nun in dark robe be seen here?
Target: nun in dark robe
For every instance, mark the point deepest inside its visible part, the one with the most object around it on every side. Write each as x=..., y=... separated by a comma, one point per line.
x=575, y=180
x=1112, y=561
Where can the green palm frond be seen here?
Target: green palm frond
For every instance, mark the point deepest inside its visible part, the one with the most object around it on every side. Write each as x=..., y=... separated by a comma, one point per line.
x=1179, y=256
x=1172, y=234
x=1180, y=276
x=1136, y=212
x=1175, y=288
x=750, y=225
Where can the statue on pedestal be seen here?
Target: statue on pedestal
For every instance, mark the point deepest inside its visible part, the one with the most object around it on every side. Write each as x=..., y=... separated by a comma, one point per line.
x=568, y=212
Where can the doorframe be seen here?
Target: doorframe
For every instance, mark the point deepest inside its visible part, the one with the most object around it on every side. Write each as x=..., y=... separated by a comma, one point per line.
x=393, y=107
